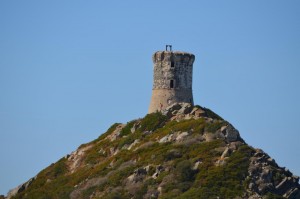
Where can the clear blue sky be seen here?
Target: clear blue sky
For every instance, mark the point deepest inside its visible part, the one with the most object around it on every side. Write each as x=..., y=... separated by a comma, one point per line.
x=70, y=69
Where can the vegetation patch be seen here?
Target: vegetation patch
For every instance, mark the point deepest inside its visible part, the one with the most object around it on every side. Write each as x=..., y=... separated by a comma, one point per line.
x=185, y=164
x=222, y=181
x=127, y=129
x=153, y=121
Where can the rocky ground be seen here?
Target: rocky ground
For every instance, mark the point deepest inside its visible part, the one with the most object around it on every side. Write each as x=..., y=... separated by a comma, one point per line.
x=184, y=152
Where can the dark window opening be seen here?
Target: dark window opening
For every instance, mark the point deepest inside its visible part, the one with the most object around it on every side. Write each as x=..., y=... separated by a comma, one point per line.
x=172, y=64
x=172, y=83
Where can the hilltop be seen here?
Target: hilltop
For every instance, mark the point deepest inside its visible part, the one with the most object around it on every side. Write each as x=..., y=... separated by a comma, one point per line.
x=184, y=151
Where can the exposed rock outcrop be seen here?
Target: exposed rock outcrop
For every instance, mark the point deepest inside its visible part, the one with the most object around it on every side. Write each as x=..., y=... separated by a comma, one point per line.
x=266, y=176
x=185, y=151
x=20, y=188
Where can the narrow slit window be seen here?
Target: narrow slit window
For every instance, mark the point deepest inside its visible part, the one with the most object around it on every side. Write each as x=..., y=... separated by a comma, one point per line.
x=172, y=83
x=172, y=64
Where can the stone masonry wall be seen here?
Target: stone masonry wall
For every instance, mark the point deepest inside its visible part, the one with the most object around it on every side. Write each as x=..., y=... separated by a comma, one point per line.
x=162, y=98
x=172, y=79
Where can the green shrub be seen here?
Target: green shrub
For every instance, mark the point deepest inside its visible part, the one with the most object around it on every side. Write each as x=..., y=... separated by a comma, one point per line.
x=101, y=137
x=213, y=127
x=212, y=114
x=226, y=181
x=197, y=126
x=113, y=195
x=108, y=132
x=127, y=129
x=194, y=126
x=118, y=176
x=153, y=121
x=60, y=168
x=172, y=154
x=126, y=140
x=177, y=177
x=184, y=171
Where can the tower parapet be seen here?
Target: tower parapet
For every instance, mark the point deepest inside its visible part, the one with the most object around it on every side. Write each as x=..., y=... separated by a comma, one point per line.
x=172, y=79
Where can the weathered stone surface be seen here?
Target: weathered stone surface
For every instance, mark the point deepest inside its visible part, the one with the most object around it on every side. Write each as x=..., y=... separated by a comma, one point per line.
x=255, y=196
x=192, y=140
x=181, y=136
x=209, y=137
x=113, y=151
x=235, y=145
x=225, y=153
x=114, y=135
x=196, y=165
x=145, y=174
x=293, y=193
x=133, y=144
x=76, y=157
x=172, y=79
x=200, y=113
x=185, y=108
x=230, y=133
x=89, y=183
x=151, y=194
x=184, y=111
x=19, y=188
x=167, y=138
x=137, y=176
x=158, y=170
x=261, y=170
x=173, y=107
x=145, y=145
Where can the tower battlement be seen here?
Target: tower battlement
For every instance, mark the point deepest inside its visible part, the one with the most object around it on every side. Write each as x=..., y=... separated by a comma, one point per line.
x=177, y=56
x=172, y=79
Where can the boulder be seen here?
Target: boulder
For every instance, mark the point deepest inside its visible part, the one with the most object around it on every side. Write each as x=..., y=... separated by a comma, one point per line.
x=158, y=170
x=116, y=133
x=198, y=112
x=235, y=145
x=225, y=153
x=293, y=193
x=209, y=137
x=167, y=138
x=137, y=176
x=173, y=107
x=19, y=188
x=193, y=110
x=133, y=144
x=196, y=165
x=231, y=134
x=284, y=185
x=181, y=136
x=185, y=108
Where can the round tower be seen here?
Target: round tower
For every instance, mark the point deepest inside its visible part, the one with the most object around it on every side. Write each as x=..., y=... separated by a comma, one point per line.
x=172, y=79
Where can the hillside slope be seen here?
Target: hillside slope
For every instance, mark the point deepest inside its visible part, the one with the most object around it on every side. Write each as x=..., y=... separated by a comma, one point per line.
x=184, y=152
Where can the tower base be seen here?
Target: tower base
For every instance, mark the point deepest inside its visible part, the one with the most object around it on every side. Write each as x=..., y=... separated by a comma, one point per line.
x=162, y=98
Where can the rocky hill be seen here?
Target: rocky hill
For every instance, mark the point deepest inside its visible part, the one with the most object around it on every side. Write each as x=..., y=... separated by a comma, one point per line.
x=183, y=152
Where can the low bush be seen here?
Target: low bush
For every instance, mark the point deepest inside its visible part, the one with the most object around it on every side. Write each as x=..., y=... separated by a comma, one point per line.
x=127, y=129
x=153, y=121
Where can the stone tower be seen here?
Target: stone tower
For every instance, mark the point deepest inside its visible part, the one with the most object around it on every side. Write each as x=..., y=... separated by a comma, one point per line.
x=172, y=78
